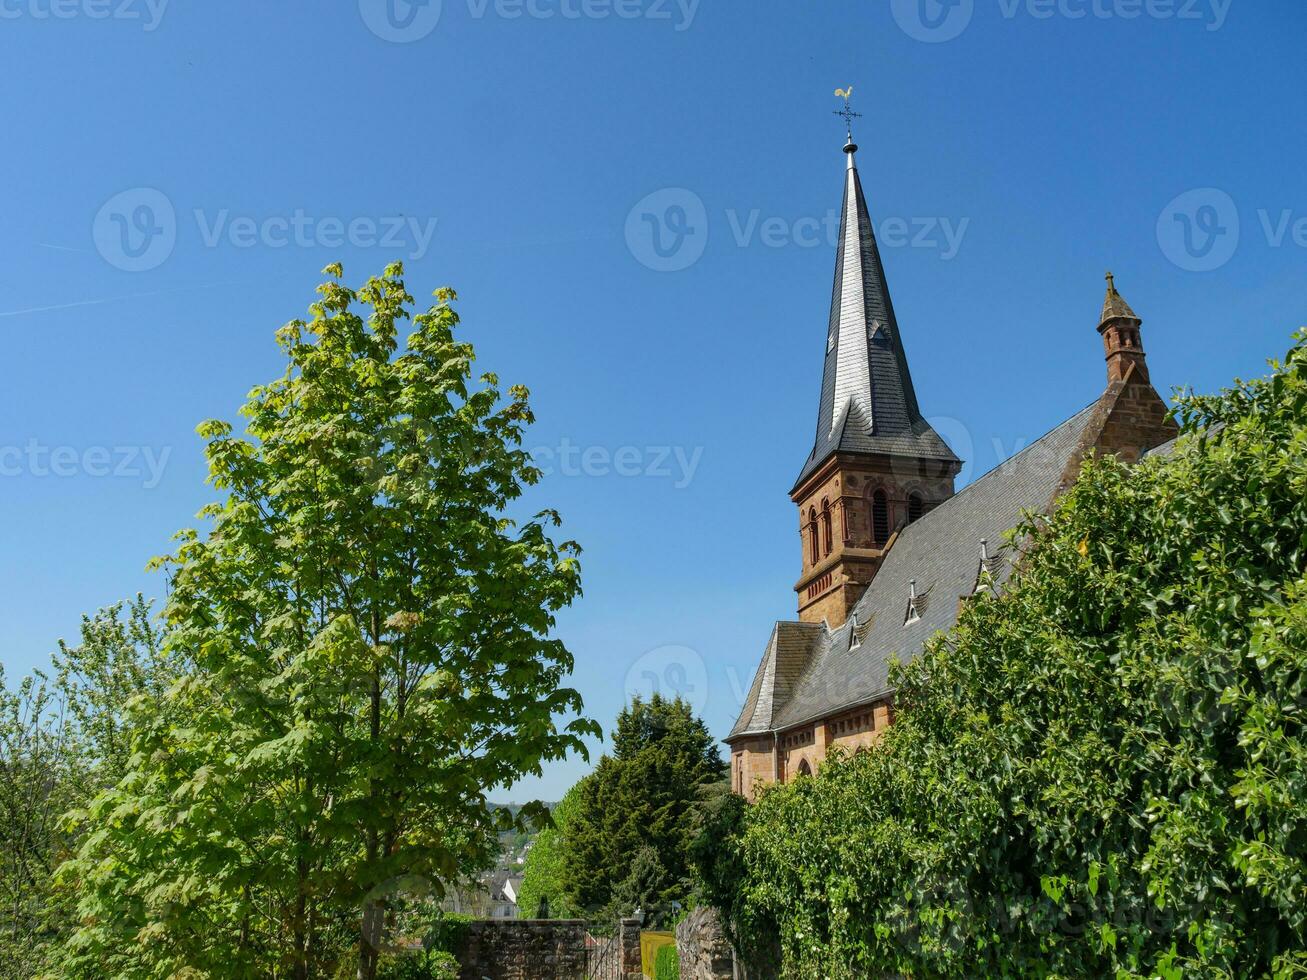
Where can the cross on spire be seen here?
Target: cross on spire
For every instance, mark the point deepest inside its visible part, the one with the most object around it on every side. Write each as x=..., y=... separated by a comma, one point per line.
x=847, y=113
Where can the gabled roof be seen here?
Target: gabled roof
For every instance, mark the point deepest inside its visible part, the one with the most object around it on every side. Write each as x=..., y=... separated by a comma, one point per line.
x=868, y=404
x=941, y=551
x=788, y=652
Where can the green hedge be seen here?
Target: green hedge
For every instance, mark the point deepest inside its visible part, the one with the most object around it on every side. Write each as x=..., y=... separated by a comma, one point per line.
x=666, y=964
x=1102, y=771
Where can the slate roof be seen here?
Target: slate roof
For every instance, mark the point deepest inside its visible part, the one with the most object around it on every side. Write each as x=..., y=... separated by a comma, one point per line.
x=868, y=404
x=941, y=551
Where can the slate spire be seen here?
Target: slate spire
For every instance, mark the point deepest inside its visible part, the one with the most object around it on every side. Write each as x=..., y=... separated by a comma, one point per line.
x=868, y=404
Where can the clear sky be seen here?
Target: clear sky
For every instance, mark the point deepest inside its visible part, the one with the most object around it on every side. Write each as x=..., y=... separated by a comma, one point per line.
x=176, y=174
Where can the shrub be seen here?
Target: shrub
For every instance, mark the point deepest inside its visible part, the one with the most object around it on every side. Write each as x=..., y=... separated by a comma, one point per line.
x=1099, y=772
x=666, y=965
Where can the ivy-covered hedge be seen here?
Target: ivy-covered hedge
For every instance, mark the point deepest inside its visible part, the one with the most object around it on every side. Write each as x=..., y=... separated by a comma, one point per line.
x=666, y=965
x=1101, y=772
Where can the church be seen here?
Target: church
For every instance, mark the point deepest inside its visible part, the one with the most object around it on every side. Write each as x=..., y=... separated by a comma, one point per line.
x=890, y=551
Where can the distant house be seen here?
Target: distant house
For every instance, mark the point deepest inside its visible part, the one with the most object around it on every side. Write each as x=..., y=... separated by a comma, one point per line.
x=492, y=896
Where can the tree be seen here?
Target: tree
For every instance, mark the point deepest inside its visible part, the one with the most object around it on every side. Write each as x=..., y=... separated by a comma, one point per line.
x=1102, y=770
x=647, y=887
x=542, y=876
x=369, y=639
x=61, y=740
x=644, y=795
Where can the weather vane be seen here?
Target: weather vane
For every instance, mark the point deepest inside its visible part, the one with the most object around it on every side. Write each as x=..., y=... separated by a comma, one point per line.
x=847, y=113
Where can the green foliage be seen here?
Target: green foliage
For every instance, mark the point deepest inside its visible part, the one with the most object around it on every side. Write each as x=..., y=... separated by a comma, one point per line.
x=368, y=652
x=1102, y=771
x=649, y=887
x=666, y=964
x=643, y=796
x=444, y=933
x=424, y=965
x=542, y=876
x=61, y=739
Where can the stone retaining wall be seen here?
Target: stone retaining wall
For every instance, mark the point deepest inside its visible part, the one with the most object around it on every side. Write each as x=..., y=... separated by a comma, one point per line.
x=522, y=949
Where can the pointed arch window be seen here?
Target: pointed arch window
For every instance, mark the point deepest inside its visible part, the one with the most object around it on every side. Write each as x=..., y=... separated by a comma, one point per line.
x=804, y=768
x=827, y=538
x=916, y=507
x=880, y=517
x=813, y=549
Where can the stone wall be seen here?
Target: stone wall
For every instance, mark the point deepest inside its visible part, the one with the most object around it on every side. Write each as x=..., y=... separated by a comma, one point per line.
x=702, y=947
x=522, y=949
x=531, y=949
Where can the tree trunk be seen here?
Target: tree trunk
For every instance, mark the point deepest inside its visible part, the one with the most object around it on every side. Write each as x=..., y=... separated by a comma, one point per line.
x=370, y=929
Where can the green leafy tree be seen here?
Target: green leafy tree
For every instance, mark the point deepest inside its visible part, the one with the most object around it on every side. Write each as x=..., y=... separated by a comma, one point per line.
x=644, y=795
x=368, y=635
x=61, y=740
x=542, y=875
x=1102, y=771
x=647, y=887
x=42, y=774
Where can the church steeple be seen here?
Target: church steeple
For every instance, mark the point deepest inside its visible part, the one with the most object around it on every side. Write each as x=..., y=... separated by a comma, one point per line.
x=875, y=463
x=868, y=403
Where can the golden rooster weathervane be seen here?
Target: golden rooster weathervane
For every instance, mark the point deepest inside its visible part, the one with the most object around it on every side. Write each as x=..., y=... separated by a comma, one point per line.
x=847, y=113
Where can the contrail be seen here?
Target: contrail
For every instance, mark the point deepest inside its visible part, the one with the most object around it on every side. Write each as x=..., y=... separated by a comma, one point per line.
x=117, y=299
x=63, y=306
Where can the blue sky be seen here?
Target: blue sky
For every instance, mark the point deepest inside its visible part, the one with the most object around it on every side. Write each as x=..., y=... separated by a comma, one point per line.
x=176, y=175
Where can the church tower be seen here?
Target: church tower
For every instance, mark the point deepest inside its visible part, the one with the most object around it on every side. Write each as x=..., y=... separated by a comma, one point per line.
x=876, y=464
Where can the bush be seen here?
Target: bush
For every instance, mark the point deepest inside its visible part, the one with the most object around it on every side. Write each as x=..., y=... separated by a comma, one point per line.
x=1099, y=772
x=666, y=964
x=424, y=965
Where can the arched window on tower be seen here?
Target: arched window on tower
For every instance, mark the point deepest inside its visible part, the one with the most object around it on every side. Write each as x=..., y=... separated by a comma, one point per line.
x=880, y=516
x=916, y=507
x=813, y=550
x=827, y=538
